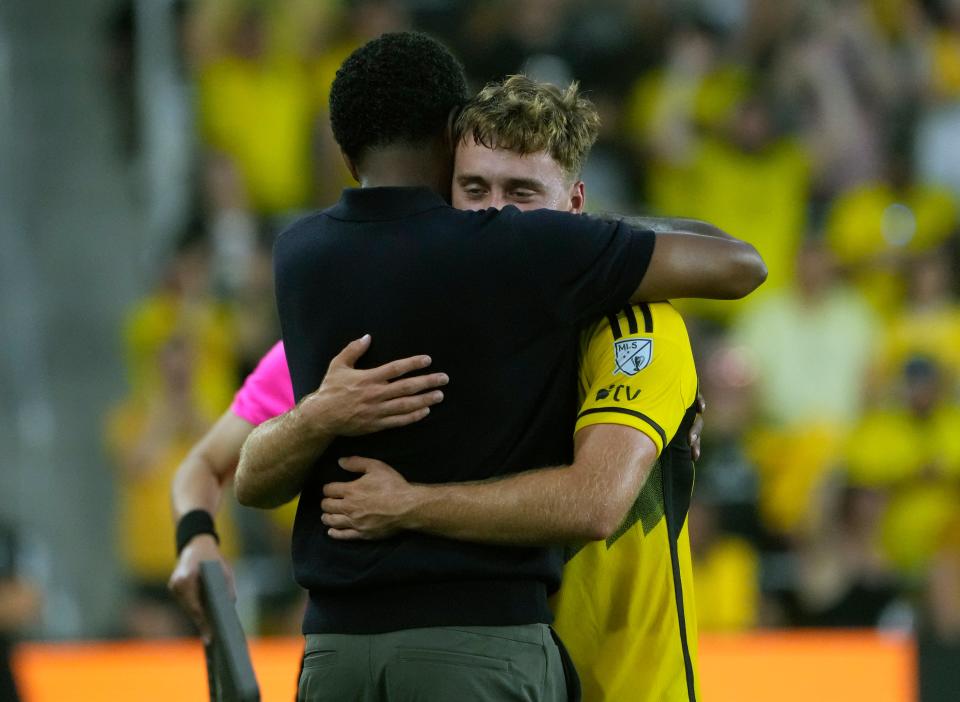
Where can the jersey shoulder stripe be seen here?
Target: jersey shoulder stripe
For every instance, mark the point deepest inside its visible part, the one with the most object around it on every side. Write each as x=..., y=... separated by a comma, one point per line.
x=632, y=413
x=648, y=317
x=631, y=319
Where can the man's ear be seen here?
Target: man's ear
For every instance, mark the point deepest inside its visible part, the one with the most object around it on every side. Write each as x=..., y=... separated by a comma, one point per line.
x=578, y=197
x=350, y=166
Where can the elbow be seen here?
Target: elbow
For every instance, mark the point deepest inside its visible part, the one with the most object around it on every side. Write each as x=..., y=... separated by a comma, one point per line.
x=601, y=526
x=246, y=493
x=750, y=272
x=241, y=489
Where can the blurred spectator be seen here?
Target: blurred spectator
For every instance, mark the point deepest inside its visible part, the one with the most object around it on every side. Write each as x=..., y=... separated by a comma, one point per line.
x=812, y=344
x=183, y=307
x=361, y=20
x=872, y=227
x=912, y=450
x=827, y=82
x=256, y=116
x=929, y=325
x=725, y=572
x=844, y=579
x=149, y=437
x=669, y=108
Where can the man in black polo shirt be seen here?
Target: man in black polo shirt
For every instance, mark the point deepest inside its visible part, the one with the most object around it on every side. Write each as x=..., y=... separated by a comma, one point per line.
x=497, y=298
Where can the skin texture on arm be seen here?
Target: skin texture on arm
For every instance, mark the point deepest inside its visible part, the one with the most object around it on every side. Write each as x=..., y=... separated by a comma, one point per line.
x=199, y=484
x=689, y=264
x=278, y=454
x=664, y=225
x=585, y=501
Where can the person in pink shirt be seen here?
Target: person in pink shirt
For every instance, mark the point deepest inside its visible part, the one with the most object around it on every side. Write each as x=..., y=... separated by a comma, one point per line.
x=350, y=401
x=267, y=391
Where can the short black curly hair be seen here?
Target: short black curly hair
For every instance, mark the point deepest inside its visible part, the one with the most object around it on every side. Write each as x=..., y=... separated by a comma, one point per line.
x=396, y=89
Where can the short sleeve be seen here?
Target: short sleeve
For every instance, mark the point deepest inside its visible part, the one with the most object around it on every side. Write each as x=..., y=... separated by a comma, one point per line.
x=585, y=267
x=638, y=370
x=267, y=392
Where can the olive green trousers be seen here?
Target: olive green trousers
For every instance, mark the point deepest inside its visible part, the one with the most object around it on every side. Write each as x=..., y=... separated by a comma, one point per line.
x=437, y=664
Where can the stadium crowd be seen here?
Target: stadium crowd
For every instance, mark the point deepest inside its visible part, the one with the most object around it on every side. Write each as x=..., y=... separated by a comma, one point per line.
x=824, y=132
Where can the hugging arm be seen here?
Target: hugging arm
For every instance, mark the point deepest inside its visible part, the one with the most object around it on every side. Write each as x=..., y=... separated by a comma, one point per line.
x=278, y=454
x=199, y=484
x=584, y=501
x=692, y=258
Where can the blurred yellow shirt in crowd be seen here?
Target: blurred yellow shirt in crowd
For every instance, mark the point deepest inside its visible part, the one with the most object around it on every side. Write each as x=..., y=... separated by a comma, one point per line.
x=890, y=446
x=760, y=197
x=791, y=464
x=710, y=100
x=208, y=329
x=144, y=517
x=261, y=114
x=914, y=522
x=945, y=63
x=726, y=580
x=934, y=333
x=872, y=220
x=811, y=358
x=918, y=462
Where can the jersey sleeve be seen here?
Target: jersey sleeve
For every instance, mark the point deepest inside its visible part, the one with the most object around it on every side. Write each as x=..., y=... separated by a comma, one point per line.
x=584, y=266
x=267, y=392
x=637, y=370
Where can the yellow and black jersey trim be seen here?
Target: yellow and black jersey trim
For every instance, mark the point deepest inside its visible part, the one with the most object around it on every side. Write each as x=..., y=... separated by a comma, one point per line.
x=630, y=412
x=631, y=319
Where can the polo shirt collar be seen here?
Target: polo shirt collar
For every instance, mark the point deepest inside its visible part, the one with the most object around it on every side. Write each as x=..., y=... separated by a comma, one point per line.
x=384, y=204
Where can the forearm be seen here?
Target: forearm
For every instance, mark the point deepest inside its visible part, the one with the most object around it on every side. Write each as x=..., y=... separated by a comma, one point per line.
x=666, y=225
x=536, y=508
x=197, y=486
x=276, y=458
x=205, y=473
x=585, y=501
x=684, y=264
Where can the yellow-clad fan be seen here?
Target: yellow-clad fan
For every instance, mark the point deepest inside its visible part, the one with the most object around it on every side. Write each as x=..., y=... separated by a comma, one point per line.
x=626, y=610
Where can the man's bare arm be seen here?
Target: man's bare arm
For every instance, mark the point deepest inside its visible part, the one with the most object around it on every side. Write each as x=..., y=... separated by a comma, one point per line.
x=200, y=483
x=692, y=258
x=667, y=225
x=204, y=474
x=584, y=501
x=278, y=454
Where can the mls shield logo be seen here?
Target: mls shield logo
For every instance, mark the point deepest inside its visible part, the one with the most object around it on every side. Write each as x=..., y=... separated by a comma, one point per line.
x=632, y=355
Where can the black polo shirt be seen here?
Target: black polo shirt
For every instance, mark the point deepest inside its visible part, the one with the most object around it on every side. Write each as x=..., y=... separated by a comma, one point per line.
x=497, y=299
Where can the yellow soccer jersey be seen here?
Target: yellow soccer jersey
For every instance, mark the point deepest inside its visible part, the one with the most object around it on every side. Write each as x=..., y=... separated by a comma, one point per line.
x=625, y=609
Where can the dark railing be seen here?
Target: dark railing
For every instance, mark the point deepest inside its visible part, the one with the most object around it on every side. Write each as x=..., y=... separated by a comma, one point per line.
x=229, y=670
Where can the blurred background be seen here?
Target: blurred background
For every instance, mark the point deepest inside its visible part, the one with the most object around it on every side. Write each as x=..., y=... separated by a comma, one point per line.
x=150, y=150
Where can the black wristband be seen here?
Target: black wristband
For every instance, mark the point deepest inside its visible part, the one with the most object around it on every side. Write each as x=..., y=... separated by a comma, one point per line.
x=194, y=523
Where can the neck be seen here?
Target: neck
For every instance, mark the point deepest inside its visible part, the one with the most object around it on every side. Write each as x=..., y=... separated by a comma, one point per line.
x=407, y=166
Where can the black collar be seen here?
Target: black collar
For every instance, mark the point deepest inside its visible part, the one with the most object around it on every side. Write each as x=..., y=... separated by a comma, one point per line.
x=384, y=204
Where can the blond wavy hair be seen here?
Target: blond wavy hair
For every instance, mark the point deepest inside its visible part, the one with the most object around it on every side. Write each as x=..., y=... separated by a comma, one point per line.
x=524, y=116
